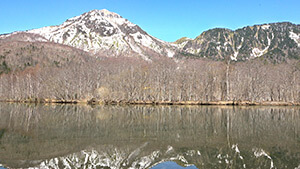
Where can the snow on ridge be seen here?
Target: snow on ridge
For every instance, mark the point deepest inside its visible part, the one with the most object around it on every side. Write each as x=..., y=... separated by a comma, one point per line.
x=265, y=27
x=234, y=57
x=147, y=41
x=44, y=31
x=109, y=16
x=180, y=45
x=256, y=52
x=74, y=18
x=236, y=52
x=142, y=39
x=170, y=53
x=3, y=36
x=105, y=13
x=295, y=37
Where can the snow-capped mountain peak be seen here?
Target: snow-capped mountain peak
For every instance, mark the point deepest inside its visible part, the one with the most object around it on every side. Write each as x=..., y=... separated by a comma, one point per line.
x=105, y=13
x=100, y=15
x=105, y=32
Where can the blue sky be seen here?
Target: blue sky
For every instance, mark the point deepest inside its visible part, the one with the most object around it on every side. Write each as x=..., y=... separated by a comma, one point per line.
x=168, y=20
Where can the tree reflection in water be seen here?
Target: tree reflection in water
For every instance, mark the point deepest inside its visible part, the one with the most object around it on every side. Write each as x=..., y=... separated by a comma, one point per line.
x=75, y=136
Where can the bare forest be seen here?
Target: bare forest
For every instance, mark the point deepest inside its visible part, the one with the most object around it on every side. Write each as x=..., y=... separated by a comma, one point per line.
x=162, y=80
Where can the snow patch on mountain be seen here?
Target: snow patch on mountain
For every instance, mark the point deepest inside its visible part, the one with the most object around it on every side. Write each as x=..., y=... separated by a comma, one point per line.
x=236, y=51
x=256, y=52
x=265, y=27
x=8, y=35
x=146, y=41
x=170, y=53
x=295, y=37
x=181, y=45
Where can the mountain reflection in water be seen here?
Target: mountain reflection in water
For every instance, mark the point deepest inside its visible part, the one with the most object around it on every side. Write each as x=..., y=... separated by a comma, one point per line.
x=78, y=136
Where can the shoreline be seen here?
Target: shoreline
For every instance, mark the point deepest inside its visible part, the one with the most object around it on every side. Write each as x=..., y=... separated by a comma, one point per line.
x=97, y=102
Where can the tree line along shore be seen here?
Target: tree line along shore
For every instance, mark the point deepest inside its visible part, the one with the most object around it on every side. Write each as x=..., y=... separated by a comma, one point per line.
x=165, y=81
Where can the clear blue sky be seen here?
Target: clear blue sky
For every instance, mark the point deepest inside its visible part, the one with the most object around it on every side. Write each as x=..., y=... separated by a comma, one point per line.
x=168, y=20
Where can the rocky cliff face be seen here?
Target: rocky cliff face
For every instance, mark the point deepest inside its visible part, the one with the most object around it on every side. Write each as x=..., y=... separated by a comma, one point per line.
x=277, y=41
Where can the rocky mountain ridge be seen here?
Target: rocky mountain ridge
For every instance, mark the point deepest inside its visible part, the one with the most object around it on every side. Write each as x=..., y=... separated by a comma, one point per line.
x=277, y=41
x=101, y=32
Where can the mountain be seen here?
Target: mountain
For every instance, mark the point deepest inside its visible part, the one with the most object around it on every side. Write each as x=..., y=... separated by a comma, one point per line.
x=101, y=32
x=105, y=32
x=277, y=41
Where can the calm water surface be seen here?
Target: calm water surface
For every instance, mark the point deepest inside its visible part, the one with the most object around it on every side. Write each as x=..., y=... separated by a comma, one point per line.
x=77, y=136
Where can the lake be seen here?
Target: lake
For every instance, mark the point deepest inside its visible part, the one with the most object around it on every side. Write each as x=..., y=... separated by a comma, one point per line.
x=83, y=136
